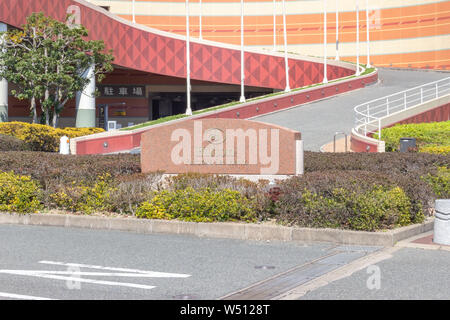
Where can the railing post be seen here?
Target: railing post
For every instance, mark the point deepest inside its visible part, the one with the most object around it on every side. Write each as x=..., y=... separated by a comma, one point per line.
x=365, y=127
x=379, y=129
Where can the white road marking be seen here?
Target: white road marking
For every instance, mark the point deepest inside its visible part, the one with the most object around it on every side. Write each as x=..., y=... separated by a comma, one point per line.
x=82, y=273
x=153, y=273
x=21, y=296
x=75, y=276
x=106, y=283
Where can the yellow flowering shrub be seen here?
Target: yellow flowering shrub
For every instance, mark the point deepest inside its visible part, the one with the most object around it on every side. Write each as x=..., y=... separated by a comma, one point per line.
x=41, y=137
x=203, y=205
x=440, y=182
x=83, y=198
x=445, y=150
x=18, y=193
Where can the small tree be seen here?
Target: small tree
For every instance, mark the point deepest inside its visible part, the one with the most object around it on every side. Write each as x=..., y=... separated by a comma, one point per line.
x=21, y=59
x=54, y=57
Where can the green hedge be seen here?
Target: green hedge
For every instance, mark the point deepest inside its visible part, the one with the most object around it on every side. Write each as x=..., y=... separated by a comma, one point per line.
x=19, y=193
x=347, y=191
x=431, y=137
x=9, y=143
x=203, y=205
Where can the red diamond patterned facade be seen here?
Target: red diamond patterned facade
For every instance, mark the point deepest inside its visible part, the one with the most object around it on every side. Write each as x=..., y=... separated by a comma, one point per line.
x=151, y=52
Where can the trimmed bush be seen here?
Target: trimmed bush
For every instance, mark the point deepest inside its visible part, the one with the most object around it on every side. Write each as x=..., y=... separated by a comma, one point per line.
x=434, y=133
x=39, y=137
x=198, y=205
x=445, y=150
x=440, y=182
x=9, y=143
x=53, y=170
x=86, y=199
x=357, y=200
x=350, y=191
x=18, y=193
x=123, y=196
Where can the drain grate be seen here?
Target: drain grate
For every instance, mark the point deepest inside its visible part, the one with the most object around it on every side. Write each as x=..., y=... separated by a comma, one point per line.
x=185, y=297
x=265, y=267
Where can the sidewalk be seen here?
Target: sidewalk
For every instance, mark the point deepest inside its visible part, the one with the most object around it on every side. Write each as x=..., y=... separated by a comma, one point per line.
x=339, y=147
x=415, y=268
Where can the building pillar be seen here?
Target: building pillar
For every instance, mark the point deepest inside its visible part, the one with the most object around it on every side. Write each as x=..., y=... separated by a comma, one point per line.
x=85, y=102
x=3, y=89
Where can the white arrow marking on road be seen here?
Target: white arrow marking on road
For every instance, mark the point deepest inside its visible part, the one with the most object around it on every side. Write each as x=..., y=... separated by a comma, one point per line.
x=21, y=296
x=153, y=273
x=49, y=276
x=82, y=273
x=75, y=275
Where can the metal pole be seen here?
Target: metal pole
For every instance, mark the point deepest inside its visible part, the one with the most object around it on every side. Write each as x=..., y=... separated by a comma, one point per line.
x=357, y=38
x=200, y=21
x=379, y=129
x=368, y=39
x=3, y=85
x=288, y=88
x=337, y=30
x=325, y=79
x=274, y=26
x=242, y=99
x=188, y=64
x=134, y=15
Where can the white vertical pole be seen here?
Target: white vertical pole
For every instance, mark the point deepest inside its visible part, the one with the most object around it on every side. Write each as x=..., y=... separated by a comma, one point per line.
x=3, y=87
x=274, y=25
x=85, y=103
x=287, y=89
x=242, y=99
x=188, y=65
x=337, y=30
x=357, y=38
x=325, y=79
x=368, y=28
x=134, y=12
x=200, y=21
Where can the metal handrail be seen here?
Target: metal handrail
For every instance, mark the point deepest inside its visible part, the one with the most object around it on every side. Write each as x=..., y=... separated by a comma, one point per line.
x=368, y=115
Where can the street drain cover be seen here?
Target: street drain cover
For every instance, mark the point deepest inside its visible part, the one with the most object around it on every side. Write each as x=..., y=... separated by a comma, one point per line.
x=265, y=267
x=186, y=297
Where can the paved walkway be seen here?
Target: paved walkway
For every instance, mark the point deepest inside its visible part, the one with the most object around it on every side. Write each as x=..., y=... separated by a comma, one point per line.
x=319, y=121
x=413, y=271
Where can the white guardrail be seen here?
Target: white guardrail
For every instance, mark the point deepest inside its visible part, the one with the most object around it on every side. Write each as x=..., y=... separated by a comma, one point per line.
x=368, y=115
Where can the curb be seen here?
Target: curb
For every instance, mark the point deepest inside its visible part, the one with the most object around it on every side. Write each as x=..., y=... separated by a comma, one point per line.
x=229, y=230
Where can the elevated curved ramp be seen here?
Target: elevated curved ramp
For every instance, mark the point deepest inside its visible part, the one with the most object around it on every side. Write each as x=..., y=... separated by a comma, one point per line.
x=150, y=50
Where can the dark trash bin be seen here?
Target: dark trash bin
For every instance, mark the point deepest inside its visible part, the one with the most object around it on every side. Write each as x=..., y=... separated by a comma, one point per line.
x=407, y=143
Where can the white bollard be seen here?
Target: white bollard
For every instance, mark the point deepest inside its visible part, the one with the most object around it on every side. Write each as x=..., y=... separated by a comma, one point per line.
x=64, y=146
x=442, y=222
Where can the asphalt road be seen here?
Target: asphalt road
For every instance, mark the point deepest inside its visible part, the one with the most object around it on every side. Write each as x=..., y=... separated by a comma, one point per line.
x=47, y=262
x=320, y=120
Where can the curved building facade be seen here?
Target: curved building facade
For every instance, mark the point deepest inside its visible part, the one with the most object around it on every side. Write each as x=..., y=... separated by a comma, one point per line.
x=403, y=33
x=149, y=80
